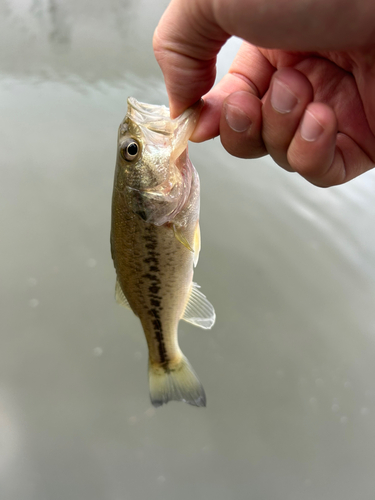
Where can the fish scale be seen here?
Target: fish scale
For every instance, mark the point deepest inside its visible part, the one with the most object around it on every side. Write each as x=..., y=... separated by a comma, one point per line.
x=152, y=245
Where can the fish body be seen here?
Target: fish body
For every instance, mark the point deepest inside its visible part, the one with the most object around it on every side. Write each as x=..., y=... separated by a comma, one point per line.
x=155, y=242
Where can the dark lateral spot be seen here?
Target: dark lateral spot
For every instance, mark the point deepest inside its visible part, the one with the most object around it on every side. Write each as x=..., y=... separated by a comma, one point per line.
x=151, y=244
x=150, y=259
x=152, y=277
x=152, y=254
x=157, y=325
x=154, y=312
x=142, y=214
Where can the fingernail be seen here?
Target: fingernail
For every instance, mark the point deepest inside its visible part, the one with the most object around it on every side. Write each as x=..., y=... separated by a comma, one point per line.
x=310, y=127
x=282, y=98
x=236, y=118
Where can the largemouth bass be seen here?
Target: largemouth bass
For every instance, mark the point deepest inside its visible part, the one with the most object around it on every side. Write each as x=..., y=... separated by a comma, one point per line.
x=155, y=242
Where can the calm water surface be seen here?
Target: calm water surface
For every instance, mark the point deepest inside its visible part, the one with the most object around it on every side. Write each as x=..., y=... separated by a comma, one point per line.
x=289, y=368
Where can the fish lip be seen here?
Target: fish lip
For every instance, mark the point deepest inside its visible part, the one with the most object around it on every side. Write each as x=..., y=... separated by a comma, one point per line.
x=156, y=111
x=148, y=110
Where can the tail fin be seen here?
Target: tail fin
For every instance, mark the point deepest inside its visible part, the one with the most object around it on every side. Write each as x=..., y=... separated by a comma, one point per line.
x=178, y=382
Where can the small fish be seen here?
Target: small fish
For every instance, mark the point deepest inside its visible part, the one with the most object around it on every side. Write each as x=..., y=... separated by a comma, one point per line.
x=155, y=242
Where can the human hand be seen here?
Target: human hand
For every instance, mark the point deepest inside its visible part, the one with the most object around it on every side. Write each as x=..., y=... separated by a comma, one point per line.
x=308, y=99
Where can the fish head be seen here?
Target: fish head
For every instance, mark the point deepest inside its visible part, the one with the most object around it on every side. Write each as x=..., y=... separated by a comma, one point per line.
x=153, y=171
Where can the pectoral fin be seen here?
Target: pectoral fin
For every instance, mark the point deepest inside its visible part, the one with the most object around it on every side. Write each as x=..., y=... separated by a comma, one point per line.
x=197, y=244
x=120, y=296
x=181, y=238
x=199, y=311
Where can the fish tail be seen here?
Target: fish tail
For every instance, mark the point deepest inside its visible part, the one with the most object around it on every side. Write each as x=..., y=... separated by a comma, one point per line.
x=176, y=382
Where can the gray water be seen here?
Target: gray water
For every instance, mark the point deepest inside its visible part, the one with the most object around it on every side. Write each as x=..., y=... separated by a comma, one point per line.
x=289, y=368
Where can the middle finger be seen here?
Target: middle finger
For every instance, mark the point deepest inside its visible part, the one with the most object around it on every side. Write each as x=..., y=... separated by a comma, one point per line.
x=284, y=104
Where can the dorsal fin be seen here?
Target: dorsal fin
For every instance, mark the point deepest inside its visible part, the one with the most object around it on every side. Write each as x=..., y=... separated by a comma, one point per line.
x=199, y=311
x=120, y=296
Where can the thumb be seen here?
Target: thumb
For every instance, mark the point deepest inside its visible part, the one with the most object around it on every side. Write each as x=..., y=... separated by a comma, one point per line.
x=186, y=43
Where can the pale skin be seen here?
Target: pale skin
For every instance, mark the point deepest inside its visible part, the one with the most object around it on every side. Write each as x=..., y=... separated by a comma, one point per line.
x=301, y=88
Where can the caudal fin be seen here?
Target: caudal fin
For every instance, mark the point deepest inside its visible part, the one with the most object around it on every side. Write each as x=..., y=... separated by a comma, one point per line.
x=178, y=382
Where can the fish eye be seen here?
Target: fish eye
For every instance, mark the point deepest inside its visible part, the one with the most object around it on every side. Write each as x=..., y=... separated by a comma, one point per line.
x=129, y=150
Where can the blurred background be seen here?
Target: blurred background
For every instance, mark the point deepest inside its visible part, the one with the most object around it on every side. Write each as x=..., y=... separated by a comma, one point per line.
x=289, y=367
